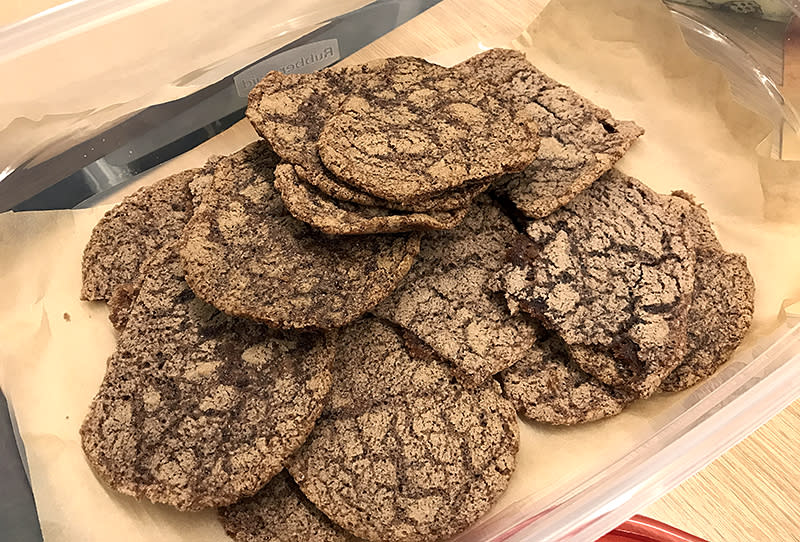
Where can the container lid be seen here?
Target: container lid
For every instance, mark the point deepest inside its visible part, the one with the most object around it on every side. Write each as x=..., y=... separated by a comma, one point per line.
x=644, y=529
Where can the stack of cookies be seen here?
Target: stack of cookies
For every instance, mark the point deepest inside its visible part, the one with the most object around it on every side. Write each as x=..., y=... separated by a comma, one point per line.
x=394, y=145
x=328, y=334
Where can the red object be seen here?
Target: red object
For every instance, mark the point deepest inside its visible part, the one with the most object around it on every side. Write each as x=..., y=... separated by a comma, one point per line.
x=643, y=529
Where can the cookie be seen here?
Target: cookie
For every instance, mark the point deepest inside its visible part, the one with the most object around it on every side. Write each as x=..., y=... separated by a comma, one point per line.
x=448, y=299
x=133, y=231
x=289, y=110
x=722, y=304
x=414, y=129
x=199, y=409
x=402, y=451
x=246, y=255
x=280, y=513
x=548, y=386
x=579, y=141
x=611, y=272
x=328, y=215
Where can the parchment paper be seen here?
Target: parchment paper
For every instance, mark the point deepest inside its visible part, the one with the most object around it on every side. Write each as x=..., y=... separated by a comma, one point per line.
x=624, y=54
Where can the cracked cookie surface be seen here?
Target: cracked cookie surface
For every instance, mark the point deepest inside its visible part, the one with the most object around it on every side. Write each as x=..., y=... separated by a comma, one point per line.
x=305, y=202
x=579, y=141
x=280, y=512
x=289, y=111
x=245, y=254
x=414, y=129
x=402, y=451
x=198, y=409
x=612, y=273
x=549, y=387
x=722, y=304
x=448, y=299
x=133, y=231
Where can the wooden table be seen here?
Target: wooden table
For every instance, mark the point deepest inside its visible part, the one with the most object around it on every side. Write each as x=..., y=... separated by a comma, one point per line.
x=752, y=492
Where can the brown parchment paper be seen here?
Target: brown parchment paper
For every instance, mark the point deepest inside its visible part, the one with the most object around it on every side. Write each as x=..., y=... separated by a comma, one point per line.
x=626, y=55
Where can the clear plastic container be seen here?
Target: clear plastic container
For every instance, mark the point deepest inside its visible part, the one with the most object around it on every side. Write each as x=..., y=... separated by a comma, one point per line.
x=106, y=143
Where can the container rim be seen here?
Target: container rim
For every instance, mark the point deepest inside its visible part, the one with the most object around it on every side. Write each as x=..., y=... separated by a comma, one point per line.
x=717, y=421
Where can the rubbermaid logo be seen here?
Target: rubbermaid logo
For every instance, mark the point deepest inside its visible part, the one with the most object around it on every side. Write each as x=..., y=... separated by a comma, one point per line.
x=303, y=59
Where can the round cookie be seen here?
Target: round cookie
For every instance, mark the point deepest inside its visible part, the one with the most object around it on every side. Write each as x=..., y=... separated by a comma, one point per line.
x=280, y=512
x=578, y=140
x=722, y=302
x=402, y=452
x=548, y=386
x=414, y=129
x=289, y=110
x=328, y=215
x=133, y=231
x=246, y=255
x=199, y=409
x=448, y=299
x=611, y=271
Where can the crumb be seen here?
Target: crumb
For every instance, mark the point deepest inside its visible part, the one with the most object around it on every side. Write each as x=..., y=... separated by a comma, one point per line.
x=67, y=317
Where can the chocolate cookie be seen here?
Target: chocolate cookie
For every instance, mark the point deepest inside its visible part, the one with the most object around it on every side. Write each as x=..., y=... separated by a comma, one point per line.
x=448, y=298
x=246, y=255
x=133, y=231
x=402, y=451
x=612, y=271
x=328, y=215
x=548, y=386
x=280, y=513
x=197, y=408
x=722, y=304
x=578, y=140
x=289, y=110
x=414, y=129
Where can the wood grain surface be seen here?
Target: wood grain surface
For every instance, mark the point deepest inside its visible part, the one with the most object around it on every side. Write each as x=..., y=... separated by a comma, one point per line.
x=752, y=492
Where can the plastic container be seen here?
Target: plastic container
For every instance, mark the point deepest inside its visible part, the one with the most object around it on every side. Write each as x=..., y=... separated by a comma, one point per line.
x=586, y=505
